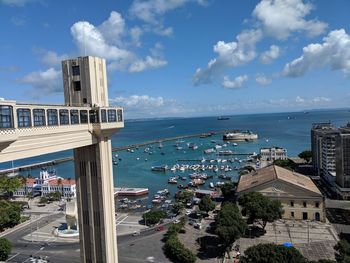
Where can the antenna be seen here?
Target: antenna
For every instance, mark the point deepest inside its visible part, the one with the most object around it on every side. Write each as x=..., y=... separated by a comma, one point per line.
x=84, y=39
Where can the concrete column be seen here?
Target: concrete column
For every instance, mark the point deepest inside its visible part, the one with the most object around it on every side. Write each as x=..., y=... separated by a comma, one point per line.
x=95, y=195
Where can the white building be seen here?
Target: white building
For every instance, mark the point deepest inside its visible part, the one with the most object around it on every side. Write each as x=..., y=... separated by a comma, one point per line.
x=48, y=183
x=272, y=154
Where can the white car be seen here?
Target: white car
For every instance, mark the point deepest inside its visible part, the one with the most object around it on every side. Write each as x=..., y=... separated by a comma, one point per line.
x=176, y=221
x=188, y=212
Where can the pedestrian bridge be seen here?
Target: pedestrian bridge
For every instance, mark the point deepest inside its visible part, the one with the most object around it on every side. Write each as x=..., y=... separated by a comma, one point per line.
x=28, y=130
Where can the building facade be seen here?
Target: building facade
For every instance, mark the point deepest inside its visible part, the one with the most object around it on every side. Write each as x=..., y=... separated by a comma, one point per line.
x=331, y=156
x=273, y=153
x=300, y=198
x=46, y=184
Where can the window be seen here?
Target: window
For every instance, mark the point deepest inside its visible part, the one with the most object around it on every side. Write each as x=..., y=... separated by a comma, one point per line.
x=75, y=70
x=83, y=116
x=74, y=117
x=305, y=217
x=23, y=117
x=64, y=117
x=292, y=214
x=317, y=204
x=291, y=203
x=6, y=117
x=304, y=204
x=112, y=116
x=120, y=115
x=77, y=85
x=93, y=116
x=103, y=116
x=39, y=117
x=52, y=118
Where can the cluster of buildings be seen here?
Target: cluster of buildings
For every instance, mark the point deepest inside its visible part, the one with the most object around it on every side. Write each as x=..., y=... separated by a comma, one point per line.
x=330, y=147
x=48, y=182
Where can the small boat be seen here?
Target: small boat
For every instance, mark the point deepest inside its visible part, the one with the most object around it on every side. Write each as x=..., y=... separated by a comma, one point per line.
x=116, y=155
x=235, y=144
x=208, y=151
x=160, y=146
x=211, y=185
x=159, y=168
x=223, y=118
x=156, y=201
x=183, y=178
x=172, y=180
x=226, y=152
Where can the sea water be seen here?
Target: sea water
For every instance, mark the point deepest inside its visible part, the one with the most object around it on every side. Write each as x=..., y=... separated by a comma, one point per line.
x=288, y=130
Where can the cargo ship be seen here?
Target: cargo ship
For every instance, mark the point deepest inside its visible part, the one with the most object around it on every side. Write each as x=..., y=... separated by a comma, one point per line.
x=239, y=136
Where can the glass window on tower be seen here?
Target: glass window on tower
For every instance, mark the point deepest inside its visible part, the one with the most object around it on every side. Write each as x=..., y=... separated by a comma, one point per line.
x=6, y=116
x=75, y=70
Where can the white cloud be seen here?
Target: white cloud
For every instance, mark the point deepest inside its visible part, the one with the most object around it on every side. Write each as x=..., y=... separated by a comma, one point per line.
x=18, y=20
x=262, y=79
x=299, y=99
x=113, y=28
x=143, y=106
x=151, y=12
x=89, y=39
x=105, y=41
x=230, y=54
x=235, y=83
x=44, y=82
x=51, y=58
x=147, y=63
x=270, y=55
x=135, y=34
x=312, y=101
x=18, y=3
x=280, y=18
x=333, y=52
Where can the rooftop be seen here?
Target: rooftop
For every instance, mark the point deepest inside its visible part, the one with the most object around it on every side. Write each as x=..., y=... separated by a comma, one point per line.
x=274, y=172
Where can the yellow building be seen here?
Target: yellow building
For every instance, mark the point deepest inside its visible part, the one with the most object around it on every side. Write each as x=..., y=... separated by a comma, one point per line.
x=299, y=196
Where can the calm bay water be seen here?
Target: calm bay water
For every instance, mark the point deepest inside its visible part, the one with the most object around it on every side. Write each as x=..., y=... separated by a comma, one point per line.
x=289, y=130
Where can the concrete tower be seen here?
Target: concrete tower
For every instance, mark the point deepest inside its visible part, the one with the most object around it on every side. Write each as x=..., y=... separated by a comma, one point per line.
x=85, y=84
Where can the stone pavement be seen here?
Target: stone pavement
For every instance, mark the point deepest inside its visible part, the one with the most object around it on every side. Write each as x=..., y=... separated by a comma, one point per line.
x=303, y=235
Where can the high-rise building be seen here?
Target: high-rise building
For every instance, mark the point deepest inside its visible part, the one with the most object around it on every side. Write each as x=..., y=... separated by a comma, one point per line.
x=323, y=149
x=331, y=156
x=343, y=162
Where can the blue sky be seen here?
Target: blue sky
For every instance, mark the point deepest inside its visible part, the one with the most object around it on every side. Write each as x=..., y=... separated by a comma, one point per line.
x=183, y=57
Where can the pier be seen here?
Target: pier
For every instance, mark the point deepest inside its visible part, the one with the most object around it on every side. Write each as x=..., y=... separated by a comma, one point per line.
x=115, y=149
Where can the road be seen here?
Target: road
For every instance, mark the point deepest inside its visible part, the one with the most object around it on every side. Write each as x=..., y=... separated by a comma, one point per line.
x=146, y=247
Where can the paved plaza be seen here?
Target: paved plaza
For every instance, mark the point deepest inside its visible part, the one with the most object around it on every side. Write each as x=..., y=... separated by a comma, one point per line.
x=303, y=235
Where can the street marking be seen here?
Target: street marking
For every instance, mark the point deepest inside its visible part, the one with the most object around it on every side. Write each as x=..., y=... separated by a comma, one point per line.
x=122, y=220
x=13, y=257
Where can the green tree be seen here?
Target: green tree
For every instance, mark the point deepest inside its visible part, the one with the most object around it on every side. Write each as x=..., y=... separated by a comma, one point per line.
x=5, y=248
x=176, y=251
x=272, y=253
x=177, y=207
x=228, y=191
x=260, y=209
x=8, y=185
x=153, y=217
x=10, y=214
x=206, y=204
x=184, y=196
x=229, y=224
x=342, y=254
x=306, y=155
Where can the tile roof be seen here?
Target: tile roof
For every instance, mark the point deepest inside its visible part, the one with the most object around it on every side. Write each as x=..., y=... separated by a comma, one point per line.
x=274, y=172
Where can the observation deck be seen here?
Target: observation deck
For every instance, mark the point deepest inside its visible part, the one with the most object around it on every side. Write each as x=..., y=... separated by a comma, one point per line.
x=34, y=129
